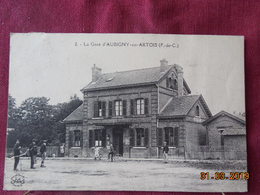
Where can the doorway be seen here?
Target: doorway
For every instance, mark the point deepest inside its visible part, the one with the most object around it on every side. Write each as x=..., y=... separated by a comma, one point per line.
x=118, y=140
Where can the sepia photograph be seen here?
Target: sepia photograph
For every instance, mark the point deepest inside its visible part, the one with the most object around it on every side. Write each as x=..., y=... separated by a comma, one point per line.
x=126, y=112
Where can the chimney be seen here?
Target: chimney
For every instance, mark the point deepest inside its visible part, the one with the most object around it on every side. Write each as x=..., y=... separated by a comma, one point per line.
x=164, y=65
x=96, y=73
x=179, y=71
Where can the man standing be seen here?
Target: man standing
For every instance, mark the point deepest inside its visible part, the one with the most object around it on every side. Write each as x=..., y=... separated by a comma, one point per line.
x=43, y=152
x=33, y=153
x=165, y=152
x=17, y=152
x=111, y=153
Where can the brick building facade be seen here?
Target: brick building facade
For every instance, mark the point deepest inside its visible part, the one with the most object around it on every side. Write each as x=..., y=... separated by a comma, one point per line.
x=137, y=111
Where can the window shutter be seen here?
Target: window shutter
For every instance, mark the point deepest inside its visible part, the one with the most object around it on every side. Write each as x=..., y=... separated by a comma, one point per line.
x=124, y=107
x=176, y=136
x=81, y=138
x=146, y=137
x=135, y=106
x=132, y=107
x=114, y=108
x=132, y=137
x=160, y=137
x=110, y=108
x=95, y=109
x=91, y=138
x=70, y=139
x=103, y=138
x=103, y=108
x=146, y=103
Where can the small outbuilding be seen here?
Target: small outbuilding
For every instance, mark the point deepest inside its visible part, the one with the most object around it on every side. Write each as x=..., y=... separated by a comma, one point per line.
x=226, y=136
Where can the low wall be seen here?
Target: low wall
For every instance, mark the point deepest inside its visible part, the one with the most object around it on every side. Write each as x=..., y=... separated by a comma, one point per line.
x=75, y=152
x=174, y=152
x=139, y=152
x=218, y=153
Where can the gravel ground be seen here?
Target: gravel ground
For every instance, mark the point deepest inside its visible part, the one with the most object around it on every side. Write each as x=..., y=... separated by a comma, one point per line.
x=121, y=175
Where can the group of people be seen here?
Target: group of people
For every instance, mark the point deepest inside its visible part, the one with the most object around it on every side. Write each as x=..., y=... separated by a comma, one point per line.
x=111, y=153
x=32, y=151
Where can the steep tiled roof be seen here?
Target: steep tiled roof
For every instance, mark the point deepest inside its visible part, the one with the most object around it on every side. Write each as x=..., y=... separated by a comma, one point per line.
x=126, y=78
x=237, y=131
x=180, y=106
x=76, y=115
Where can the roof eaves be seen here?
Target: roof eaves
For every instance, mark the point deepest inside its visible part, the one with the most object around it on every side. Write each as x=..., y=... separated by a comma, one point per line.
x=170, y=116
x=186, y=86
x=206, y=106
x=73, y=121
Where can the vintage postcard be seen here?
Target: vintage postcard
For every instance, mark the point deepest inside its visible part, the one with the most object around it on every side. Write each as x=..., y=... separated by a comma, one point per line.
x=126, y=112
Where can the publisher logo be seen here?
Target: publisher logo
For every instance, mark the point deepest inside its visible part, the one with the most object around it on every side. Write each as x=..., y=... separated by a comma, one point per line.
x=17, y=180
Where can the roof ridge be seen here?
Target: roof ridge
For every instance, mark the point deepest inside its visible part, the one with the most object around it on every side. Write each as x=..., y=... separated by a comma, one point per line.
x=135, y=70
x=187, y=96
x=242, y=120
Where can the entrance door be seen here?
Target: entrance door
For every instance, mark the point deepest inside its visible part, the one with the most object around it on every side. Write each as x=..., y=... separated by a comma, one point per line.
x=118, y=140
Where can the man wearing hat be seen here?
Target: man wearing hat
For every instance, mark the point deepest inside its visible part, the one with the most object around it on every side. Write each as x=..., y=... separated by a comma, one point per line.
x=17, y=152
x=33, y=153
x=43, y=152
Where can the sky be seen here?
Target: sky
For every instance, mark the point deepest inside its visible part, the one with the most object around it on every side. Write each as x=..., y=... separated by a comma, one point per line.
x=59, y=65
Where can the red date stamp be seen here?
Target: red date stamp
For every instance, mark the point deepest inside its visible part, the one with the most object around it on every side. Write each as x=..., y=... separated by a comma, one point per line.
x=224, y=176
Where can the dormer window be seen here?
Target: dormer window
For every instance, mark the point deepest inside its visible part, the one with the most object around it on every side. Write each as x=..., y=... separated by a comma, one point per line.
x=171, y=82
x=175, y=84
x=110, y=79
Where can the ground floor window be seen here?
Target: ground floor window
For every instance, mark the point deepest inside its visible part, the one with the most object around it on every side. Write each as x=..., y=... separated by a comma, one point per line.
x=75, y=138
x=97, y=138
x=139, y=137
x=169, y=135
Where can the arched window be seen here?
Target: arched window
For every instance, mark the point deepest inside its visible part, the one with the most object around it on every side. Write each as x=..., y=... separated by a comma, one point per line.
x=175, y=84
x=170, y=82
x=197, y=111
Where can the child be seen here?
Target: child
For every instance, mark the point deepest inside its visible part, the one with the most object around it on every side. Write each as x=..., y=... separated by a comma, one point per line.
x=97, y=153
